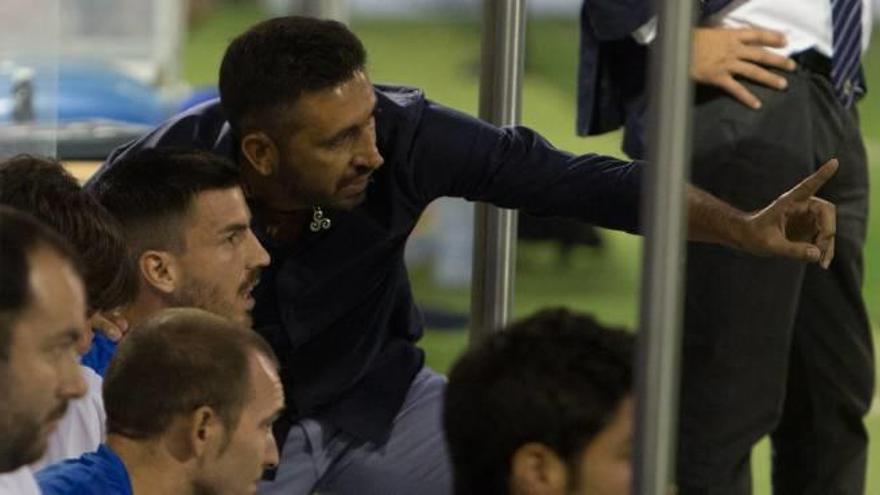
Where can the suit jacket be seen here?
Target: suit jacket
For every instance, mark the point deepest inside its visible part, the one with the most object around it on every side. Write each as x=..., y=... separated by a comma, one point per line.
x=613, y=68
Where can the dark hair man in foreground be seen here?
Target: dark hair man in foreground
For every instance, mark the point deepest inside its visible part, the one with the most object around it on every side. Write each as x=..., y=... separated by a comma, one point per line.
x=338, y=171
x=191, y=398
x=543, y=408
x=42, y=316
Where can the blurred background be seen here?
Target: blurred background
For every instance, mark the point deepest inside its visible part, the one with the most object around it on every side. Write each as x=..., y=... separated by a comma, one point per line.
x=78, y=77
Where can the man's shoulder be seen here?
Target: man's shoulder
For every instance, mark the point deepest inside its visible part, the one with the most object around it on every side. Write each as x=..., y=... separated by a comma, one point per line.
x=203, y=126
x=96, y=473
x=402, y=96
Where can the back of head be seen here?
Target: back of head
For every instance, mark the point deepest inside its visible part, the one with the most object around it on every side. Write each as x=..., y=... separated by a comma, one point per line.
x=174, y=363
x=273, y=63
x=20, y=235
x=555, y=378
x=41, y=187
x=150, y=192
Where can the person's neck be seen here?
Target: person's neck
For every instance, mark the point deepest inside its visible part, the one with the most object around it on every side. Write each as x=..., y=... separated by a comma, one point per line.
x=143, y=306
x=264, y=192
x=151, y=468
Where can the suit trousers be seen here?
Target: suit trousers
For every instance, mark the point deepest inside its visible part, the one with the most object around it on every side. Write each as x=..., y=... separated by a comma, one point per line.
x=776, y=347
x=320, y=458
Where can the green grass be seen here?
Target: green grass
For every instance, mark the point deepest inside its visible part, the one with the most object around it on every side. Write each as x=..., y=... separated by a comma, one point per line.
x=441, y=56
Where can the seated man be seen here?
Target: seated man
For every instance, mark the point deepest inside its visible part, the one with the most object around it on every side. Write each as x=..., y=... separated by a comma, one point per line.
x=42, y=187
x=187, y=225
x=544, y=407
x=190, y=398
x=42, y=317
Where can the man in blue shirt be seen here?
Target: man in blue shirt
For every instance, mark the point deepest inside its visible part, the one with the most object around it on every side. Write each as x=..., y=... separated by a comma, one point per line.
x=337, y=171
x=191, y=398
x=188, y=234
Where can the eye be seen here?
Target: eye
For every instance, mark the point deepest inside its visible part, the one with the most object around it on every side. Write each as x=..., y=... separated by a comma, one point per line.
x=234, y=237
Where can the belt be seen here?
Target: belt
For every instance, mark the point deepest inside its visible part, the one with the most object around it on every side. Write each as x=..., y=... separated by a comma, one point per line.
x=813, y=61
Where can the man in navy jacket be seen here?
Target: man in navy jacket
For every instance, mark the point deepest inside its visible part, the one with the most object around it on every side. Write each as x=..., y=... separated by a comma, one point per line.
x=338, y=172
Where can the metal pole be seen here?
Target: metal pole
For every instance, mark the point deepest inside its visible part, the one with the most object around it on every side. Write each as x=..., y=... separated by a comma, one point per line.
x=500, y=104
x=665, y=221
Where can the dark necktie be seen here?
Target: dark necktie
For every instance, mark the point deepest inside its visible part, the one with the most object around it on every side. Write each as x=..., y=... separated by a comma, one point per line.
x=846, y=74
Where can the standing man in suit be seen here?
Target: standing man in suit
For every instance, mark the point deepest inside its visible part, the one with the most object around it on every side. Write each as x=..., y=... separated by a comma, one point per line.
x=769, y=348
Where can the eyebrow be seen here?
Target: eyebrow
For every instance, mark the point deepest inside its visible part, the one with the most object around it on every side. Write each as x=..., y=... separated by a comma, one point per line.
x=352, y=129
x=274, y=417
x=71, y=334
x=235, y=227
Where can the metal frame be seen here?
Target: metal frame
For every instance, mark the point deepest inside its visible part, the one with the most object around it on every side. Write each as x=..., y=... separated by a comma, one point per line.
x=500, y=104
x=664, y=221
x=663, y=218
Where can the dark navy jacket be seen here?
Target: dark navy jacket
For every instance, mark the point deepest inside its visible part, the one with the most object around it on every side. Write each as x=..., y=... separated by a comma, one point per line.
x=613, y=67
x=337, y=306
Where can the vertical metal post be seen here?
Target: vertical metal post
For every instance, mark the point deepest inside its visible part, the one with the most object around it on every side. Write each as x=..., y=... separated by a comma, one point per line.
x=500, y=104
x=665, y=222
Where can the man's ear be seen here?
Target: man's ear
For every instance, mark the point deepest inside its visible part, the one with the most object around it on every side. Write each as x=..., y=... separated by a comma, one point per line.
x=159, y=270
x=206, y=431
x=536, y=469
x=261, y=152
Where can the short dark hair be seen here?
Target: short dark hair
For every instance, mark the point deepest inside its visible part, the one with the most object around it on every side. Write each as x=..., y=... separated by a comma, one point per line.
x=273, y=63
x=151, y=190
x=42, y=187
x=556, y=378
x=20, y=235
x=174, y=362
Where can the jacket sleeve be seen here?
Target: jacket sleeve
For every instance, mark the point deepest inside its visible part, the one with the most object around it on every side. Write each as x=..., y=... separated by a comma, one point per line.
x=453, y=154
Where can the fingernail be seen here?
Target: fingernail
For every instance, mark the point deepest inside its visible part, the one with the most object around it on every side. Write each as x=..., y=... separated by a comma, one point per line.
x=756, y=105
x=783, y=84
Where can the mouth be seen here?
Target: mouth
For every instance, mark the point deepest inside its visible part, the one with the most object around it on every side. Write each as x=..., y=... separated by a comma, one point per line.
x=246, y=290
x=357, y=185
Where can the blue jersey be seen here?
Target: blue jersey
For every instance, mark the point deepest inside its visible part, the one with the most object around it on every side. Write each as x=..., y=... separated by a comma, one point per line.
x=98, y=473
x=99, y=354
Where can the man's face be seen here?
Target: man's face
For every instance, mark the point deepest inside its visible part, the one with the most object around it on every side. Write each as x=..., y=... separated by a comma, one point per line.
x=606, y=463
x=236, y=467
x=42, y=373
x=221, y=261
x=329, y=152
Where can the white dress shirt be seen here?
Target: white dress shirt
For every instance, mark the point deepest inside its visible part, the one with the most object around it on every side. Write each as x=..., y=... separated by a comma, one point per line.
x=82, y=429
x=19, y=482
x=805, y=23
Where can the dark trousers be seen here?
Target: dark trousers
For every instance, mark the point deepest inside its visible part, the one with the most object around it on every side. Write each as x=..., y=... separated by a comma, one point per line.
x=774, y=346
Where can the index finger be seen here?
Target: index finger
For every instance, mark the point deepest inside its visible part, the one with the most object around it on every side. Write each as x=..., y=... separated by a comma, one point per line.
x=809, y=186
x=763, y=37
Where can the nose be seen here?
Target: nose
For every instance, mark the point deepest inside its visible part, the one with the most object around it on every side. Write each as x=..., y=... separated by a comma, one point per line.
x=270, y=456
x=72, y=385
x=259, y=256
x=85, y=340
x=368, y=155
